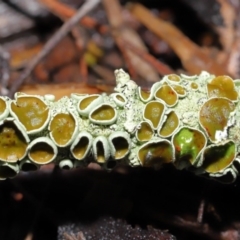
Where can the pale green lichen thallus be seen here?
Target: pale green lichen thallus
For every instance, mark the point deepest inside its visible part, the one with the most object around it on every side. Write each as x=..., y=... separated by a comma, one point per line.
x=192, y=122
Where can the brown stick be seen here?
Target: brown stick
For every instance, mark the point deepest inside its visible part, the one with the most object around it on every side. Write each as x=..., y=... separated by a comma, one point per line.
x=59, y=90
x=162, y=68
x=52, y=42
x=201, y=211
x=193, y=57
x=64, y=12
x=120, y=29
x=4, y=70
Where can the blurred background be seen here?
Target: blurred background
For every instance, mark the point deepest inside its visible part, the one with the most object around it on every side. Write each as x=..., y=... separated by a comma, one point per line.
x=148, y=39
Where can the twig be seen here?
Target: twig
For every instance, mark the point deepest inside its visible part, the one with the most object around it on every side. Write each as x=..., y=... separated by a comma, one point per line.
x=135, y=63
x=4, y=70
x=193, y=58
x=132, y=71
x=52, y=42
x=114, y=14
x=80, y=42
x=83, y=70
x=79, y=236
x=64, y=12
x=162, y=68
x=59, y=90
x=201, y=211
x=69, y=237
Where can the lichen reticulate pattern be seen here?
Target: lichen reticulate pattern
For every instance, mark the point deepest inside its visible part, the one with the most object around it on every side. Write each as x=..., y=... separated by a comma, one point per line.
x=192, y=122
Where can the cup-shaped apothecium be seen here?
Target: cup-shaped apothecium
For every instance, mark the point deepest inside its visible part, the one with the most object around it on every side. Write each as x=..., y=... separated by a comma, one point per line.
x=13, y=141
x=63, y=128
x=119, y=99
x=27, y=165
x=42, y=150
x=189, y=144
x=31, y=111
x=82, y=145
x=87, y=103
x=145, y=131
x=155, y=153
x=154, y=112
x=120, y=145
x=101, y=149
x=104, y=114
x=170, y=125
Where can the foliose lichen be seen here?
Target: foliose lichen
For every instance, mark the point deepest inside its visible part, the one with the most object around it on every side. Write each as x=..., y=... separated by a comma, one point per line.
x=190, y=121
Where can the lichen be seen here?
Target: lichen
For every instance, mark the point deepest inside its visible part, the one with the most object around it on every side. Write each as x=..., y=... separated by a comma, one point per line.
x=185, y=120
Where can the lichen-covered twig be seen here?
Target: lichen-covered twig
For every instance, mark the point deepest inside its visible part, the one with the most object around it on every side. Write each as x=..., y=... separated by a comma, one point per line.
x=190, y=121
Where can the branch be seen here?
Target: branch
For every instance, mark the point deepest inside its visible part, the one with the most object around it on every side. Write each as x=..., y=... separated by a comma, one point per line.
x=56, y=38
